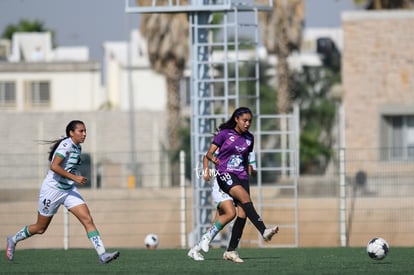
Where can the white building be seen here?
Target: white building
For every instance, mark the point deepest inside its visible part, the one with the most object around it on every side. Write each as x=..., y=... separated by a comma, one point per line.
x=128, y=76
x=39, y=78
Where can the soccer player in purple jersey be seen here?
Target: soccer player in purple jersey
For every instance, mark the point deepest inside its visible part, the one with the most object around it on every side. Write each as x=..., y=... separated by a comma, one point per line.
x=225, y=209
x=235, y=142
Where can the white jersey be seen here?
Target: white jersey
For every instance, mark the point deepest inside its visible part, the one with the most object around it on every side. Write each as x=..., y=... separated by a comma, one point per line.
x=252, y=160
x=70, y=153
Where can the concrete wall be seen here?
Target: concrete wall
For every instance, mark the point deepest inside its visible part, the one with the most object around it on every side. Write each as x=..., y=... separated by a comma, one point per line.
x=377, y=76
x=23, y=162
x=124, y=217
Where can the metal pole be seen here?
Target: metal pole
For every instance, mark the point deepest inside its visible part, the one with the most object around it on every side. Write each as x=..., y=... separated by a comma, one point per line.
x=342, y=198
x=342, y=182
x=296, y=165
x=133, y=162
x=66, y=229
x=183, y=200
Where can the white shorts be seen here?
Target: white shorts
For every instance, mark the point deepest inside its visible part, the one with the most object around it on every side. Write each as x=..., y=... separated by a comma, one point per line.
x=51, y=198
x=218, y=194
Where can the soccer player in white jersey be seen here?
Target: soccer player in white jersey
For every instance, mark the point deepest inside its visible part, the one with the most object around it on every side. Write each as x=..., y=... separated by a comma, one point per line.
x=226, y=211
x=59, y=188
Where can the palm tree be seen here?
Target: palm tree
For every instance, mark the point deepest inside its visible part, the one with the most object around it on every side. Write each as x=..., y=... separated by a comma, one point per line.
x=282, y=34
x=168, y=48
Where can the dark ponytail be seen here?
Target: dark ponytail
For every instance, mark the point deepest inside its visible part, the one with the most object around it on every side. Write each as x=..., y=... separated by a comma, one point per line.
x=55, y=143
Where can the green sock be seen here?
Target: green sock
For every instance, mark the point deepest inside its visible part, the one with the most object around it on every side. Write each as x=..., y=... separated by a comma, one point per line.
x=215, y=229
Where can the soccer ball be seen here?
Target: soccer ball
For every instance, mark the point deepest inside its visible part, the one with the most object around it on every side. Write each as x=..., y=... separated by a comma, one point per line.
x=377, y=248
x=151, y=241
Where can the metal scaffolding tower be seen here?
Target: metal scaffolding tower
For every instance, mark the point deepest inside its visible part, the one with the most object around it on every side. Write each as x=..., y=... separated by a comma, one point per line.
x=224, y=75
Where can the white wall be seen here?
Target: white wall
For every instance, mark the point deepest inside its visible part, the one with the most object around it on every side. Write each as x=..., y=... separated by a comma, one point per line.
x=149, y=90
x=125, y=71
x=69, y=90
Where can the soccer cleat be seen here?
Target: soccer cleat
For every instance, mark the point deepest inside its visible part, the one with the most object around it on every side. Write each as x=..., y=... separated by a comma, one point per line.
x=205, y=242
x=10, y=247
x=195, y=254
x=269, y=233
x=232, y=256
x=107, y=257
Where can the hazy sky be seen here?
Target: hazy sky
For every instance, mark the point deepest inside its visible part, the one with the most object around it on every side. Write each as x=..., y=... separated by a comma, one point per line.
x=91, y=22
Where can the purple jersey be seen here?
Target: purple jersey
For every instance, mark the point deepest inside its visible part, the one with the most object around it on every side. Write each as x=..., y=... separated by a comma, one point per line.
x=234, y=152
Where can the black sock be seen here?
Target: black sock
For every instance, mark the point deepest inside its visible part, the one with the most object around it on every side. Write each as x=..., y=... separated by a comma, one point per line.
x=253, y=216
x=236, y=233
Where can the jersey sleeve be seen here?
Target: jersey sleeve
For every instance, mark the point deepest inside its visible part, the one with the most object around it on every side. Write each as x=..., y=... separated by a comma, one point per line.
x=62, y=149
x=219, y=139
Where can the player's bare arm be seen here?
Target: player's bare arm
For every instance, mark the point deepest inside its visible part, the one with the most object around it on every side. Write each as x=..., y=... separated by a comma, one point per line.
x=210, y=154
x=56, y=167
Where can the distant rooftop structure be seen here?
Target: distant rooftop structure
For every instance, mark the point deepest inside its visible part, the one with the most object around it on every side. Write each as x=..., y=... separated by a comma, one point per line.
x=162, y=6
x=310, y=36
x=37, y=47
x=118, y=50
x=4, y=49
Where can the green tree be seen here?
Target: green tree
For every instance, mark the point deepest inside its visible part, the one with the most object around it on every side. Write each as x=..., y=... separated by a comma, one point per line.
x=25, y=26
x=312, y=87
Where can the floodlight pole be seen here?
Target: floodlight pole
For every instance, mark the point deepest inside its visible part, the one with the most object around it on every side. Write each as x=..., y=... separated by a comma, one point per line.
x=132, y=178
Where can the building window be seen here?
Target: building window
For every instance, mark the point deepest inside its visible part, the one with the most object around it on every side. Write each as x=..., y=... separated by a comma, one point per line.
x=7, y=94
x=398, y=137
x=37, y=94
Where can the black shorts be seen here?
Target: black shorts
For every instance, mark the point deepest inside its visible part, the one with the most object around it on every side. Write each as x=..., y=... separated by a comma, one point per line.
x=227, y=180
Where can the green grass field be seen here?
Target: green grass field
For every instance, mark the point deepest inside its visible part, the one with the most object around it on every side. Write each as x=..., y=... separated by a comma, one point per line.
x=175, y=261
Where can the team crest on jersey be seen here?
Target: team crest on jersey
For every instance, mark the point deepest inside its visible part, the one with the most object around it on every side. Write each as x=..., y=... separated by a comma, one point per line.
x=249, y=142
x=240, y=148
